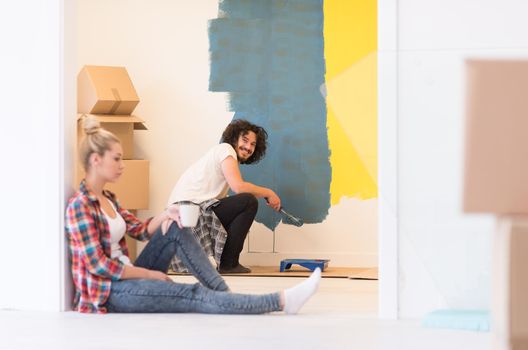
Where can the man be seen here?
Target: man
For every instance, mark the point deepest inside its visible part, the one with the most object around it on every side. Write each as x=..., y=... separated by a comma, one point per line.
x=217, y=171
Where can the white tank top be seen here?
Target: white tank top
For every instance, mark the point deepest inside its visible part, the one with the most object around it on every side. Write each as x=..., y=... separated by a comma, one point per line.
x=117, y=228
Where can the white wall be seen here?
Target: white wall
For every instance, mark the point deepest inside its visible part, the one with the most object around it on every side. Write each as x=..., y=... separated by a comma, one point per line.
x=444, y=255
x=165, y=47
x=32, y=177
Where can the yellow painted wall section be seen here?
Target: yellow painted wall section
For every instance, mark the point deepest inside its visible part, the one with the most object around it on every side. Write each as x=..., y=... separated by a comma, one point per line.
x=350, y=34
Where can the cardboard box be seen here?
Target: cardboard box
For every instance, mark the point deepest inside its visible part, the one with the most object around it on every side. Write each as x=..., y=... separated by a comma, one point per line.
x=510, y=283
x=122, y=126
x=132, y=247
x=132, y=188
x=105, y=90
x=496, y=171
x=132, y=243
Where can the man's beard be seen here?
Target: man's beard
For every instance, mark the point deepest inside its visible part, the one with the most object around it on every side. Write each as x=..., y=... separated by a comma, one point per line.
x=242, y=149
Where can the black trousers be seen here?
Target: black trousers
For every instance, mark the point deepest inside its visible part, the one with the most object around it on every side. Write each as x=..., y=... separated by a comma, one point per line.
x=236, y=214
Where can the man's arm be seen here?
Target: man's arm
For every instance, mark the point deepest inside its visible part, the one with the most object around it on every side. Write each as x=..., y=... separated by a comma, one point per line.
x=238, y=185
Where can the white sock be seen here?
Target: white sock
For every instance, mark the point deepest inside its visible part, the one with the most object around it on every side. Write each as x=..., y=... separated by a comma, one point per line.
x=295, y=297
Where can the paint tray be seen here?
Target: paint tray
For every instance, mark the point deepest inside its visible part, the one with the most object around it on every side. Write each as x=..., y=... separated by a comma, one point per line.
x=310, y=264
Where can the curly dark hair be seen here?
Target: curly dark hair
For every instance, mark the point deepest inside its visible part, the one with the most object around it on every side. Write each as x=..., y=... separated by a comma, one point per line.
x=241, y=127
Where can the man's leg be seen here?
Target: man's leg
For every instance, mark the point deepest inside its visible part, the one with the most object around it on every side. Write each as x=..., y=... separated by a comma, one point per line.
x=236, y=214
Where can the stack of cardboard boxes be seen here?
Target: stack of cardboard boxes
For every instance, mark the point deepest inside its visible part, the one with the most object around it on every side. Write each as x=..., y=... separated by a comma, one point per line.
x=108, y=94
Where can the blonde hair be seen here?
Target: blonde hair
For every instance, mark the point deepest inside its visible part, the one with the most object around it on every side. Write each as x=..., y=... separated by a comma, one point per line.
x=96, y=140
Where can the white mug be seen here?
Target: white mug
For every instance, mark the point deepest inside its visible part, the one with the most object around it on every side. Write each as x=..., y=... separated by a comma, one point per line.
x=189, y=214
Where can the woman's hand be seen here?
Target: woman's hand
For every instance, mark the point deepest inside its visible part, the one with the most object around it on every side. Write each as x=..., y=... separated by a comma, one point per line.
x=135, y=272
x=157, y=275
x=173, y=214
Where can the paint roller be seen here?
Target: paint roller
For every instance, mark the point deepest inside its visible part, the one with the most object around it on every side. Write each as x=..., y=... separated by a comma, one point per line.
x=288, y=218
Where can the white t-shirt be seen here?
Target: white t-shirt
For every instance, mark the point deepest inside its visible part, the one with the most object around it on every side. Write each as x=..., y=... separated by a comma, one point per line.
x=204, y=179
x=117, y=228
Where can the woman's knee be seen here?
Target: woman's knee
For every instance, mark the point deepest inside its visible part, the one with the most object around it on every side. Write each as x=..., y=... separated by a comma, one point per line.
x=175, y=231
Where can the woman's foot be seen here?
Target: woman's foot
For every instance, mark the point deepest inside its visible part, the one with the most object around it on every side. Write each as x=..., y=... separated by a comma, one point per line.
x=295, y=297
x=237, y=269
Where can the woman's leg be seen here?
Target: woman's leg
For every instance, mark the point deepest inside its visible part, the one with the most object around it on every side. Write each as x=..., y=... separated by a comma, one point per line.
x=153, y=296
x=158, y=254
x=236, y=214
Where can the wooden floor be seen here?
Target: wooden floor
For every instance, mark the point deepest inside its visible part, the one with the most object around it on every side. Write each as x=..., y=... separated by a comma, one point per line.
x=342, y=315
x=299, y=271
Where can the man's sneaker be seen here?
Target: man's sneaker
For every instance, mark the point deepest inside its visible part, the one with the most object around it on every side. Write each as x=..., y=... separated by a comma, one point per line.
x=237, y=269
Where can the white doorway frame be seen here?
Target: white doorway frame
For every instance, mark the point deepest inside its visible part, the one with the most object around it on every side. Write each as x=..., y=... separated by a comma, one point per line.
x=387, y=148
x=68, y=133
x=388, y=158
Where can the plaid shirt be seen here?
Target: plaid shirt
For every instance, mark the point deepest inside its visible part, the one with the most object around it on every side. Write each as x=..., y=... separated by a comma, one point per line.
x=89, y=239
x=210, y=234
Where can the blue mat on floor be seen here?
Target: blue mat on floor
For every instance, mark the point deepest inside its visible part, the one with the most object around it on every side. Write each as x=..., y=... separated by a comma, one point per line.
x=472, y=320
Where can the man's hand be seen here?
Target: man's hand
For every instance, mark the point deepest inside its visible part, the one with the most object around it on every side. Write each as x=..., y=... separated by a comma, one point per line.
x=173, y=214
x=273, y=201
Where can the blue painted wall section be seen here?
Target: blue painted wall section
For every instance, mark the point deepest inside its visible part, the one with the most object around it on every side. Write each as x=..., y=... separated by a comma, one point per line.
x=269, y=56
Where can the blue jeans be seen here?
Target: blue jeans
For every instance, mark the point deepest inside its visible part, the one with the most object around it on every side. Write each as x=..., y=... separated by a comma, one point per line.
x=211, y=295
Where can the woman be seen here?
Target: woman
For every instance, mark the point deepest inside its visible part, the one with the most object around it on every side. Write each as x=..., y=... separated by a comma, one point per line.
x=105, y=279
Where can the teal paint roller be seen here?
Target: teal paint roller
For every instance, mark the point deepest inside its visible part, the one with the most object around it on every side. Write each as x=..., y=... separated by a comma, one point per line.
x=288, y=218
